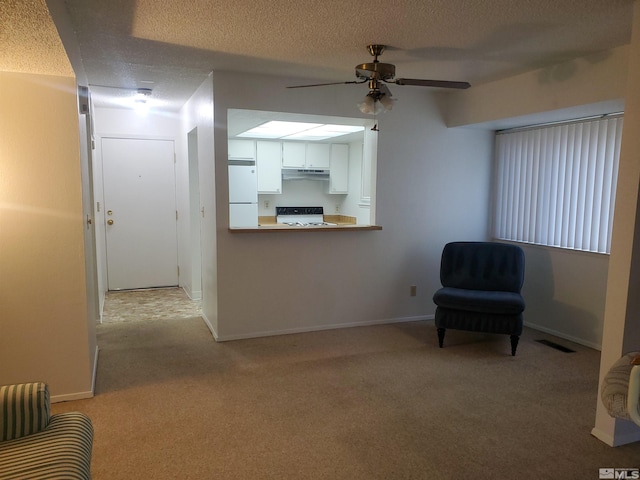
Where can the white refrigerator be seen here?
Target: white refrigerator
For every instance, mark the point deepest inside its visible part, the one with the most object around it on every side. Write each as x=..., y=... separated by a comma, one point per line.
x=243, y=196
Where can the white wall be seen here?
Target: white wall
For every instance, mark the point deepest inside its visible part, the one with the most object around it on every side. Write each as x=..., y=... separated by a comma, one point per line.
x=565, y=293
x=198, y=113
x=596, y=84
x=127, y=123
x=433, y=186
x=44, y=330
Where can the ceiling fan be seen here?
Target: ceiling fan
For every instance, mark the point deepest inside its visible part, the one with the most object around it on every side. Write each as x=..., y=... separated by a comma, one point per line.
x=377, y=74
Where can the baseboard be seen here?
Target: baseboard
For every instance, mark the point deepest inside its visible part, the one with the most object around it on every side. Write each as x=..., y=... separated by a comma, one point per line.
x=95, y=372
x=192, y=295
x=618, y=440
x=101, y=303
x=210, y=327
x=579, y=341
x=71, y=396
x=317, y=328
x=81, y=395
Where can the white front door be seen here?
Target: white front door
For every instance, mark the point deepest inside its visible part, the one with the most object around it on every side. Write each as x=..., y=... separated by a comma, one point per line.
x=140, y=207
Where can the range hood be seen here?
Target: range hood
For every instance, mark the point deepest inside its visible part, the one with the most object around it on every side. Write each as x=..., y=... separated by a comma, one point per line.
x=304, y=174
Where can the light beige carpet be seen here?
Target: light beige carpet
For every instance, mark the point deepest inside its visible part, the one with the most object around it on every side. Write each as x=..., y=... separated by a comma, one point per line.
x=380, y=402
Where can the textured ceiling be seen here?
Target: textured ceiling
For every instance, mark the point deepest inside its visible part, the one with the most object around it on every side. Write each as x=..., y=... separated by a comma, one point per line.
x=175, y=44
x=29, y=41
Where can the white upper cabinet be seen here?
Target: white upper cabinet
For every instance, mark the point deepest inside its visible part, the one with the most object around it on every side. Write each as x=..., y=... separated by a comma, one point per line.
x=242, y=149
x=318, y=156
x=339, y=169
x=314, y=156
x=269, y=165
x=294, y=155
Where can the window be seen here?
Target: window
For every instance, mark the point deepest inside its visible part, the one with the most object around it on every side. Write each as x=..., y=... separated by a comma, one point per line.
x=556, y=185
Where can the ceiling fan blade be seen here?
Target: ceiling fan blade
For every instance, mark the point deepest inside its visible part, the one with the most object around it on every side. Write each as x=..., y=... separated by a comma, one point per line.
x=432, y=83
x=323, y=84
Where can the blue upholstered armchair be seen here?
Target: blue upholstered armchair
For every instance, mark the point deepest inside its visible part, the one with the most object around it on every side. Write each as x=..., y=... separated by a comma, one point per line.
x=481, y=283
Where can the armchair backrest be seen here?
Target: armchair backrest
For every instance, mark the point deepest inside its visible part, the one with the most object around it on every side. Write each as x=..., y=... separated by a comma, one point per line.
x=482, y=266
x=24, y=409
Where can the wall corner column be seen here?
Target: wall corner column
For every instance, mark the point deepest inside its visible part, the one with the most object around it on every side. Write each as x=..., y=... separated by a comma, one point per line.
x=621, y=332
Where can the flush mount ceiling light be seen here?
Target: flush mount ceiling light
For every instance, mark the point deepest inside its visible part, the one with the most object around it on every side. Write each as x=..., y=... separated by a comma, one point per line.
x=299, y=131
x=377, y=73
x=141, y=95
x=140, y=100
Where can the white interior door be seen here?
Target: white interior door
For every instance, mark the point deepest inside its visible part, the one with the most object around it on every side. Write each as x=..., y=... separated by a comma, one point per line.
x=140, y=206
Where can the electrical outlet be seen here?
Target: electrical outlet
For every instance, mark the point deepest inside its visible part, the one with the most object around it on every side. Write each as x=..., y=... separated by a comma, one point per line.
x=413, y=290
x=337, y=208
x=266, y=204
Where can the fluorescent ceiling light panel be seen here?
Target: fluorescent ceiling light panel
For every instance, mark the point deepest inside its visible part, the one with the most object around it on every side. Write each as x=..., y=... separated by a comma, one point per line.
x=324, y=131
x=277, y=129
x=299, y=131
x=309, y=136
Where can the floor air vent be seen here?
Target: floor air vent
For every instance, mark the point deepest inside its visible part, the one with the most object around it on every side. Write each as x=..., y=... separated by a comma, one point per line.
x=557, y=346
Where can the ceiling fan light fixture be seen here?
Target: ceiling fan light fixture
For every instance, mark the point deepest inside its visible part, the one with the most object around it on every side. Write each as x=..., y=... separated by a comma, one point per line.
x=376, y=102
x=387, y=102
x=368, y=105
x=377, y=74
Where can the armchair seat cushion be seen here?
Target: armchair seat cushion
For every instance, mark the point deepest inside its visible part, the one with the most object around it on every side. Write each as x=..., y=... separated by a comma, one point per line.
x=504, y=303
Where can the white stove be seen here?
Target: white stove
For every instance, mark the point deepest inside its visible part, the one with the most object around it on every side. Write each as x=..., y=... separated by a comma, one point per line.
x=301, y=216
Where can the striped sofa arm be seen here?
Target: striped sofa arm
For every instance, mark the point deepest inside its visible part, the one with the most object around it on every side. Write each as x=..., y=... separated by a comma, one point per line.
x=24, y=410
x=61, y=451
x=35, y=445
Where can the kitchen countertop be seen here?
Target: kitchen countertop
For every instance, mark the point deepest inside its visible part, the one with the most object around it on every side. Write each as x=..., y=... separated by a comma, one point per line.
x=342, y=223
x=268, y=221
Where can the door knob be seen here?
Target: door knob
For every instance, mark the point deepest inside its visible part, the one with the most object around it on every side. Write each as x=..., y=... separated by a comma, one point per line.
x=109, y=222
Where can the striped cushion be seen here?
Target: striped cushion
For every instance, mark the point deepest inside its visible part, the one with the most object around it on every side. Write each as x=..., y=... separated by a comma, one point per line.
x=24, y=409
x=62, y=451
x=615, y=387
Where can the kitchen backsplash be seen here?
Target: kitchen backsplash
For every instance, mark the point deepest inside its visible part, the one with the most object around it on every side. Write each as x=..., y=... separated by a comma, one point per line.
x=301, y=193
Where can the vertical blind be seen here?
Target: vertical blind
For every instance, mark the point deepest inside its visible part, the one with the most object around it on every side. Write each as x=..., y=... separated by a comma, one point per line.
x=556, y=185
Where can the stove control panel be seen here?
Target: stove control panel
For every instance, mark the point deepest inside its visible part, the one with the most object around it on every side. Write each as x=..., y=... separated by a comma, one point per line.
x=299, y=211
